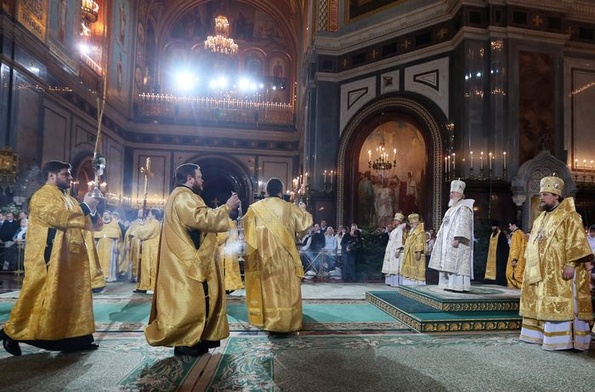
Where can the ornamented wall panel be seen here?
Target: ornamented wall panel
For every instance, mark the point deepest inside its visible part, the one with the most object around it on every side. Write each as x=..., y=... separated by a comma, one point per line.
x=354, y=96
x=430, y=80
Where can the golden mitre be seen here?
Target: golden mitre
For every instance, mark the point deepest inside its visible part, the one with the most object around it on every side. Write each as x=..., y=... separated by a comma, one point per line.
x=551, y=184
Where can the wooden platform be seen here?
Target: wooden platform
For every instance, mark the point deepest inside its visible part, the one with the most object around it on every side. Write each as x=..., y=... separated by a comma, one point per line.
x=431, y=309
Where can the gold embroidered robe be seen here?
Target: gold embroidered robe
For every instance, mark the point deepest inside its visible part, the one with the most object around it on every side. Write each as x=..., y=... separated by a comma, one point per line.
x=130, y=260
x=179, y=314
x=97, y=277
x=557, y=238
x=108, y=242
x=228, y=247
x=416, y=242
x=518, y=243
x=393, y=253
x=273, y=270
x=149, y=235
x=55, y=301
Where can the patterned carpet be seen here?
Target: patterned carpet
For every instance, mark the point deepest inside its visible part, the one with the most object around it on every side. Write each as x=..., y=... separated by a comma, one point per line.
x=404, y=362
x=347, y=344
x=124, y=362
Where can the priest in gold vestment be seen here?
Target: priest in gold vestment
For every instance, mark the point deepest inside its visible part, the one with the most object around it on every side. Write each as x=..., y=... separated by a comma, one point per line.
x=133, y=247
x=108, y=247
x=228, y=254
x=148, y=235
x=555, y=297
x=273, y=271
x=189, y=308
x=54, y=310
x=515, y=266
x=413, y=269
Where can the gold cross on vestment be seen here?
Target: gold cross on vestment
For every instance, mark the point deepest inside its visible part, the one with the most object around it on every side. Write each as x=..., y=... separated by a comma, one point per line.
x=216, y=202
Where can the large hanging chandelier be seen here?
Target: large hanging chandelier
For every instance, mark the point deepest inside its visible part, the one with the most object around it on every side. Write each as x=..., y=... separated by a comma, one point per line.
x=380, y=161
x=220, y=42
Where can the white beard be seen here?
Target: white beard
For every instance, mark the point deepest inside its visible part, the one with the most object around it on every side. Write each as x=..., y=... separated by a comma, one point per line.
x=452, y=202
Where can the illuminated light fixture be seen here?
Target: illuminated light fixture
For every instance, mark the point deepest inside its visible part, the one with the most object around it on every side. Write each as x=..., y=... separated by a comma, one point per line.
x=9, y=162
x=220, y=42
x=90, y=11
x=380, y=161
x=89, y=14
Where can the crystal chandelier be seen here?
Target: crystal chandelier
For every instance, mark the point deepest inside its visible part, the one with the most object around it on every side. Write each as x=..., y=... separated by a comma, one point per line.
x=380, y=161
x=220, y=42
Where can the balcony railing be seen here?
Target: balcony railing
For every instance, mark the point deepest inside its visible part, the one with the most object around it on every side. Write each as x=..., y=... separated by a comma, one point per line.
x=164, y=107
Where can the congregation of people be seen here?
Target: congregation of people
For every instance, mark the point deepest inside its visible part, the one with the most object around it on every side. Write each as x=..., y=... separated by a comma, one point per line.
x=73, y=251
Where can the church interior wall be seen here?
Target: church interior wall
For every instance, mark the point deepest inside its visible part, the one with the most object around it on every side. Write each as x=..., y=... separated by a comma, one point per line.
x=531, y=83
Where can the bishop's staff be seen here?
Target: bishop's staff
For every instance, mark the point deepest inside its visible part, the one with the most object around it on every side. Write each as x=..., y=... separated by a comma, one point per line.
x=146, y=171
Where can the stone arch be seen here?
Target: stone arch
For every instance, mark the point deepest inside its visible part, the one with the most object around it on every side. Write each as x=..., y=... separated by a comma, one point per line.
x=358, y=128
x=224, y=174
x=525, y=185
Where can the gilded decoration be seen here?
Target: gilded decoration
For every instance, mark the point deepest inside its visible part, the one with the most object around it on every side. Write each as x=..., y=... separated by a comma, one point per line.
x=33, y=15
x=505, y=323
x=483, y=306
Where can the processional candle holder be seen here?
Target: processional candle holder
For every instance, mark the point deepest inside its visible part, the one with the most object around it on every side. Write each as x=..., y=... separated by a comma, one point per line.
x=98, y=164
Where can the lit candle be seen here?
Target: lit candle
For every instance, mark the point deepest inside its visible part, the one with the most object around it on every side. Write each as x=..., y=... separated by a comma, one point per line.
x=395, y=154
x=454, y=159
x=369, y=155
x=332, y=173
x=504, y=161
x=324, y=176
x=446, y=168
x=471, y=160
x=490, y=161
x=575, y=164
x=481, y=161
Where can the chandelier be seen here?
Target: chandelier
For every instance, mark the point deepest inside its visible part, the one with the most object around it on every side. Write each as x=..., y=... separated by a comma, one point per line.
x=89, y=14
x=380, y=161
x=220, y=42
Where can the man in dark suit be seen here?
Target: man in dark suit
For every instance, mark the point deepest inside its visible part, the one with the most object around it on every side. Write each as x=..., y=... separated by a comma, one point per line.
x=9, y=228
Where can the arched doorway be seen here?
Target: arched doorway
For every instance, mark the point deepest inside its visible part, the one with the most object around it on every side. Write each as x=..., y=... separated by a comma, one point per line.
x=83, y=174
x=424, y=122
x=222, y=176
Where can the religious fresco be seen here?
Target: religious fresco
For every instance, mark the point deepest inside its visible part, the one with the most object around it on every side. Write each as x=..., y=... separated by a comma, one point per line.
x=62, y=26
x=537, y=91
x=119, y=72
x=64, y=32
x=382, y=193
x=359, y=8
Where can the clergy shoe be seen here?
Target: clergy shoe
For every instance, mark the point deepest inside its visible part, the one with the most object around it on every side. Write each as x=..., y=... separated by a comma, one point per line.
x=190, y=351
x=90, y=346
x=139, y=291
x=279, y=334
x=85, y=347
x=10, y=345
